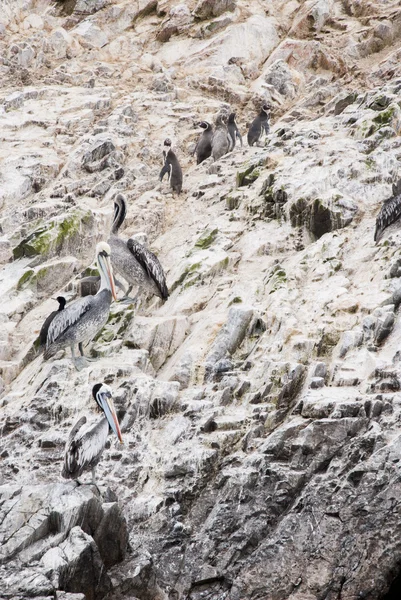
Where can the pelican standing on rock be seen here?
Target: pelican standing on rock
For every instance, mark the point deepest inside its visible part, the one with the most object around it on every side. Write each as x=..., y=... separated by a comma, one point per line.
x=133, y=261
x=82, y=319
x=86, y=443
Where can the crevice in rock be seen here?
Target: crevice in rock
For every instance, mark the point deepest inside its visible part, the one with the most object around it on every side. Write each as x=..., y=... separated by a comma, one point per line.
x=394, y=592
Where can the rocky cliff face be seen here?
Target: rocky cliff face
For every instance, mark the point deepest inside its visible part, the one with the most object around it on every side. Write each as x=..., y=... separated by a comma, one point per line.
x=260, y=405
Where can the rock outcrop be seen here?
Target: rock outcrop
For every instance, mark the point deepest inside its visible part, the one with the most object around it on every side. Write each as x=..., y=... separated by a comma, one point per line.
x=260, y=404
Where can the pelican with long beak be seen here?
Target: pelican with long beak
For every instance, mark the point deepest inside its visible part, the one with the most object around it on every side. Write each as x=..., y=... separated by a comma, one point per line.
x=84, y=318
x=86, y=442
x=130, y=259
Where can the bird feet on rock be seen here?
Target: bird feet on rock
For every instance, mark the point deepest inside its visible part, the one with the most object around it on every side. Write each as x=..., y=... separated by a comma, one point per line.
x=80, y=362
x=127, y=300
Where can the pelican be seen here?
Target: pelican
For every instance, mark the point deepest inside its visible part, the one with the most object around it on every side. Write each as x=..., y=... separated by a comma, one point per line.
x=85, y=444
x=45, y=327
x=390, y=212
x=82, y=319
x=132, y=260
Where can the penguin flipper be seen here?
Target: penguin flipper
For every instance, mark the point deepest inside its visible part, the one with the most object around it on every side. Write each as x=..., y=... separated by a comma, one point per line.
x=165, y=170
x=239, y=136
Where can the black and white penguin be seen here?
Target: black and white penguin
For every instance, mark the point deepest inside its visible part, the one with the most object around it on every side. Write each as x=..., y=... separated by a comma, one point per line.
x=259, y=125
x=171, y=167
x=233, y=130
x=221, y=140
x=203, y=148
x=390, y=212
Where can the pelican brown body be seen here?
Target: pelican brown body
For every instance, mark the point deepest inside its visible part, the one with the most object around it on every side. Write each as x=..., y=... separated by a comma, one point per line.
x=135, y=263
x=84, y=318
x=85, y=444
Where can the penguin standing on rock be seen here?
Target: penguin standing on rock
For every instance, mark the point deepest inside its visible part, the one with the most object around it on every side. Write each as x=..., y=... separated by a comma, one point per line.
x=259, y=125
x=203, y=148
x=233, y=130
x=221, y=141
x=171, y=167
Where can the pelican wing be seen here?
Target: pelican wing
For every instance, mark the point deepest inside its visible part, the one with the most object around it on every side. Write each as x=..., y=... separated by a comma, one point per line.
x=389, y=213
x=151, y=265
x=68, y=317
x=84, y=447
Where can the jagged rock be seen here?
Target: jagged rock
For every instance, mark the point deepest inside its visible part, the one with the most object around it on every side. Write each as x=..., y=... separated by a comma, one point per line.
x=230, y=337
x=311, y=18
x=90, y=36
x=383, y=327
x=349, y=340
x=67, y=596
x=26, y=583
x=160, y=337
x=205, y=9
x=111, y=535
x=179, y=18
x=247, y=473
x=52, y=511
x=305, y=54
x=282, y=78
x=322, y=215
x=70, y=233
x=84, y=571
x=340, y=102
x=98, y=151
x=87, y=7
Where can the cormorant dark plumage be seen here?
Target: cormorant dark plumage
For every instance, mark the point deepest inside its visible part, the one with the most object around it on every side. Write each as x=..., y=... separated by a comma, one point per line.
x=84, y=318
x=135, y=263
x=45, y=327
x=259, y=125
x=390, y=211
x=233, y=130
x=171, y=167
x=86, y=442
x=203, y=148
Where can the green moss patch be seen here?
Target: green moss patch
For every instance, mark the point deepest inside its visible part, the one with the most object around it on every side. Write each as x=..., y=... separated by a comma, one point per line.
x=206, y=239
x=58, y=234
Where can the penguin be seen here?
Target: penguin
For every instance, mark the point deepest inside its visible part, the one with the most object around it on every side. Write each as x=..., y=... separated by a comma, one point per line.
x=233, y=130
x=203, y=148
x=221, y=140
x=171, y=167
x=259, y=125
x=390, y=212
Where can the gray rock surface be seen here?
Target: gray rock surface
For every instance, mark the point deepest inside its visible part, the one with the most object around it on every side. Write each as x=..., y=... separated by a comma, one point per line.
x=260, y=404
